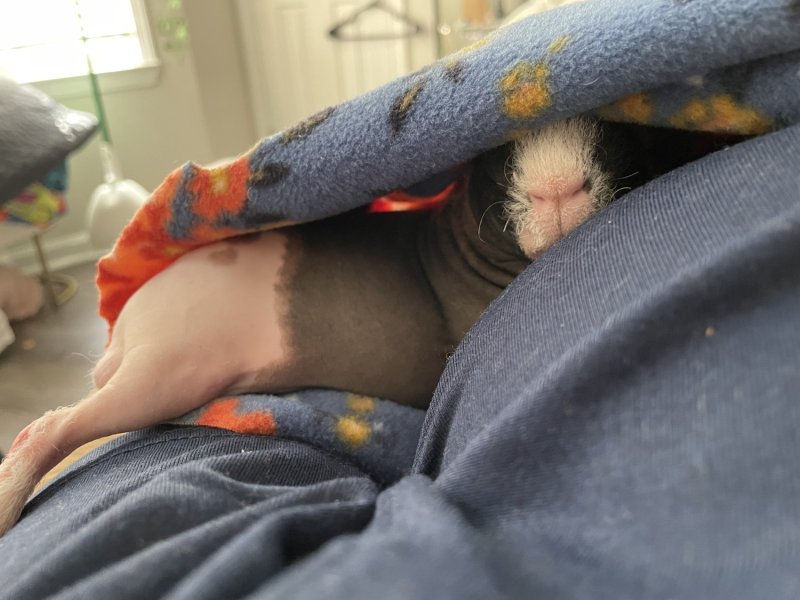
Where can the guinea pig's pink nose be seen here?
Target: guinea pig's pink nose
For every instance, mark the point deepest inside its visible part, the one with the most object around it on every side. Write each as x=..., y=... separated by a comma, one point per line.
x=557, y=189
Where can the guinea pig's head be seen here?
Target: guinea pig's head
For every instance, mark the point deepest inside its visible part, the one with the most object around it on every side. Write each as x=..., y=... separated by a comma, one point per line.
x=559, y=176
x=544, y=185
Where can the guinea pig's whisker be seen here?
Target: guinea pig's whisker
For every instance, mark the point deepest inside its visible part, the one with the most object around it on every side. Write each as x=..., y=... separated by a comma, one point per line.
x=480, y=222
x=627, y=176
x=620, y=190
x=508, y=167
x=598, y=146
x=88, y=358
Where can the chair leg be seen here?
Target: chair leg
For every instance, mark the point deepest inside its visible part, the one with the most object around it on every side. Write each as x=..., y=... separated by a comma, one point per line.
x=47, y=279
x=69, y=284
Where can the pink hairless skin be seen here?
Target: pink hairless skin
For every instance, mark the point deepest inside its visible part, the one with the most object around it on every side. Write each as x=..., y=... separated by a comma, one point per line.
x=366, y=303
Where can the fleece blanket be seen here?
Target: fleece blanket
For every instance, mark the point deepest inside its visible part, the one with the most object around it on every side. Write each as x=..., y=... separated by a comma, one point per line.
x=377, y=435
x=710, y=65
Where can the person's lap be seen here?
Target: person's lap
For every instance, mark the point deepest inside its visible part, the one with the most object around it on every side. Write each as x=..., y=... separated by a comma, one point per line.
x=620, y=423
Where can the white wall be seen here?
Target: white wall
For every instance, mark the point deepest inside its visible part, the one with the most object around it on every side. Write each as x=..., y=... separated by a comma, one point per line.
x=221, y=76
x=296, y=69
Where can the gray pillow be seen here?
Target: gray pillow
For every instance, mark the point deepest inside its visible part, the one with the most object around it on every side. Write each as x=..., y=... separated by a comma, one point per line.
x=36, y=135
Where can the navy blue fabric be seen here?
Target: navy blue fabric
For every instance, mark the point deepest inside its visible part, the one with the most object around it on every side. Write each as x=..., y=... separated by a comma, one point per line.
x=621, y=423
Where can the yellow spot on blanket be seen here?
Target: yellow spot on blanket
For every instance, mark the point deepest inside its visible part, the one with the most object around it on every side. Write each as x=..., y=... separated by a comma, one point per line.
x=636, y=108
x=170, y=250
x=360, y=404
x=475, y=45
x=558, y=44
x=219, y=180
x=525, y=90
x=722, y=114
x=411, y=95
x=353, y=431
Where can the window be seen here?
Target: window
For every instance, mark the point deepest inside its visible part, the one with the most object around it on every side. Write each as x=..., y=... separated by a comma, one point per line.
x=41, y=40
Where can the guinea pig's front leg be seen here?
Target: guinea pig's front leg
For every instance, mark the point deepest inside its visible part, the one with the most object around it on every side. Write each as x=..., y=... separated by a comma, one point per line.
x=203, y=326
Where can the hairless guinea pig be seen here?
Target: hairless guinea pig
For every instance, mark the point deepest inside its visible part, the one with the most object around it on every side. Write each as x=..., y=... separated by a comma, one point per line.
x=371, y=303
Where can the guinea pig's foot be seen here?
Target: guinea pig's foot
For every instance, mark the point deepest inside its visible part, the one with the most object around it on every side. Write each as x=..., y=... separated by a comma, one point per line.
x=34, y=452
x=17, y=480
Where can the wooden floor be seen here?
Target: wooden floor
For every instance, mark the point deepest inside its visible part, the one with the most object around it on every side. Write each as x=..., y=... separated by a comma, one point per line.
x=49, y=363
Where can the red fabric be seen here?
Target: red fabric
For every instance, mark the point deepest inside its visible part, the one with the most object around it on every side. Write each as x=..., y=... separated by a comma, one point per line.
x=222, y=413
x=401, y=201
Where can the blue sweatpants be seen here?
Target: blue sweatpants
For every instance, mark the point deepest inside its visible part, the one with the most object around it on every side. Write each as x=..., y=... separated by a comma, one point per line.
x=623, y=422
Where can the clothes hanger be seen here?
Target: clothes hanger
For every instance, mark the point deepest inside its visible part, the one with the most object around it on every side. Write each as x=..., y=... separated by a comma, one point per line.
x=413, y=27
